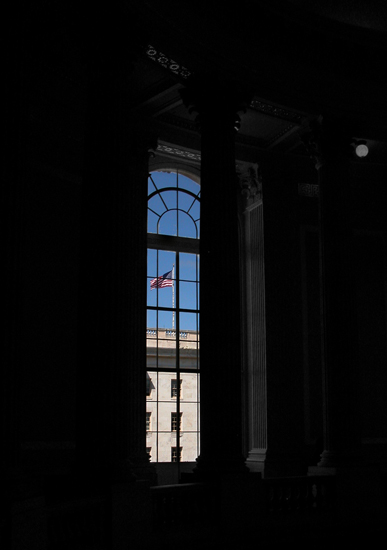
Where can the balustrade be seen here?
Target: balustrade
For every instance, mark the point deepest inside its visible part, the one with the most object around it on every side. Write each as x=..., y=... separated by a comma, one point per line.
x=179, y=505
x=310, y=494
x=76, y=522
x=305, y=498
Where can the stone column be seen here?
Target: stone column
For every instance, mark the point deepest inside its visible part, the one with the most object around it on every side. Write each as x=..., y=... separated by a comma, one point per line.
x=330, y=145
x=23, y=519
x=220, y=305
x=358, y=481
x=111, y=392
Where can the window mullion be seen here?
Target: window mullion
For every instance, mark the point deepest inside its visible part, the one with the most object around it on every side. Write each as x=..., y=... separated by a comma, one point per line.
x=177, y=279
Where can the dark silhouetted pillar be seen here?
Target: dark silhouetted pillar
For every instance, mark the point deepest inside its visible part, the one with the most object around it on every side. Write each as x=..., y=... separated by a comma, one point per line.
x=220, y=305
x=330, y=144
x=111, y=389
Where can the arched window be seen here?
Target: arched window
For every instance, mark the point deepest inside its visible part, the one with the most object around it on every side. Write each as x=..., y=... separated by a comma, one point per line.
x=173, y=317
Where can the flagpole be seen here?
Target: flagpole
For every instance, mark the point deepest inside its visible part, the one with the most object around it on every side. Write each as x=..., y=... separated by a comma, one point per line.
x=173, y=297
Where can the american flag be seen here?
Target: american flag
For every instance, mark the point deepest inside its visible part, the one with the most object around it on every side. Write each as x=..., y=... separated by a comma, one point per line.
x=162, y=281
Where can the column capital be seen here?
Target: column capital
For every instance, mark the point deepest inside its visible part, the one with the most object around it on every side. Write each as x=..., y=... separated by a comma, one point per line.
x=213, y=99
x=249, y=181
x=327, y=139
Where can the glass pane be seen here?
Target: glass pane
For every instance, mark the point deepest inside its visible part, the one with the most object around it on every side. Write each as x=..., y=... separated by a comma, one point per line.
x=164, y=179
x=189, y=388
x=170, y=199
x=151, y=294
x=168, y=223
x=152, y=222
x=151, y=353
x=165, y=320
x=152, y=263
x=188, y=356
x=166, y=299
x=151, y=385
x=156, y=204
x=187, y=228
x=188, y=264
x=188, y=321
x=190, y=418
x=194, y=211
x=188, y=298
x=187, y=183
x=185, y=201
x=151, y=319
x=167, y=260
x=151, y=187
x=166, y=355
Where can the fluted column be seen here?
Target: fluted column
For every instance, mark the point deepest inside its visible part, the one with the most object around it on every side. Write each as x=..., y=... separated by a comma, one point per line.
x=112, y=320
x=254, y=314
x=272, y=316
x=330, y=145
x=220, y=306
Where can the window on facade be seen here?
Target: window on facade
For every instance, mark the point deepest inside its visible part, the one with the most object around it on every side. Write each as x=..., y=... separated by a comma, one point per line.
x=148, y=421
x=174, y=385
x=173, y=313
x=174, y=424
x=148, y=385
x=176, y=456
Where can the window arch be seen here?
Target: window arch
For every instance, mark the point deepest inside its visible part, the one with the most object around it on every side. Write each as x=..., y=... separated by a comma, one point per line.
x=178, y=206
x=173, y=317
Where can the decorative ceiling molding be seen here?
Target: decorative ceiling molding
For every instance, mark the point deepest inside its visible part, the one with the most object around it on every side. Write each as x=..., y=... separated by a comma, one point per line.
x=281, y=135
x=277, y=112
x=173, y=151
x=250, y=141
x=179, y=122
x=167, y=63
x=308, y=190
x=256, y=104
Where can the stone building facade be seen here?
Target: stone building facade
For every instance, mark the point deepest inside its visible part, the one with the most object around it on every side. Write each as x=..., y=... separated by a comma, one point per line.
x=167, y=438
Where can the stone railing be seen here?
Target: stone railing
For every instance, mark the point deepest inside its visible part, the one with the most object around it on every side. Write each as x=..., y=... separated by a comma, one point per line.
x=172, y=333
x=178, y=505
x=311, y=495
x=73, y=523
x=169, y=333
x=272, y=502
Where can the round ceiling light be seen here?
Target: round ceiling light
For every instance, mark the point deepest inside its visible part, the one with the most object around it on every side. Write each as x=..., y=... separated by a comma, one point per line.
x=361, y=150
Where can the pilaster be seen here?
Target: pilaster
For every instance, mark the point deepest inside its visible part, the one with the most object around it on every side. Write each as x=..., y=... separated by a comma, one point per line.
x=254, y=343
x=273, y=363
